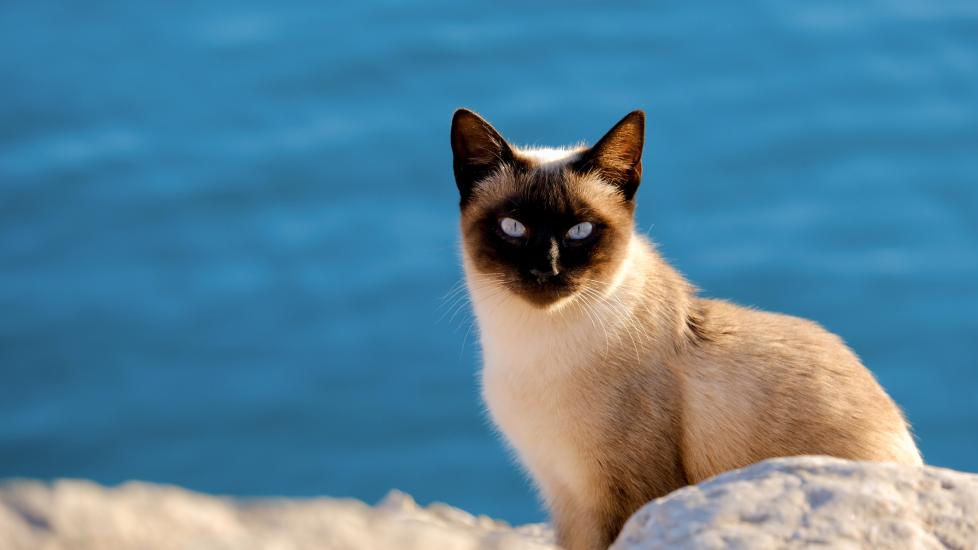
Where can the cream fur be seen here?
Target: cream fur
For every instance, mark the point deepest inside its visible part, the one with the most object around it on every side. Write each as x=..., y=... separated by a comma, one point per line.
x=549, y=158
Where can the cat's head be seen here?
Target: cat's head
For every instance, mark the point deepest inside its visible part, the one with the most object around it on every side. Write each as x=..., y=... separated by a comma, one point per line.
x=546, y=223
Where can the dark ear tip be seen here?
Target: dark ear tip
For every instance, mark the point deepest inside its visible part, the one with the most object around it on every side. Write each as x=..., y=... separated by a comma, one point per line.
x=462, y=113
x=637, y=116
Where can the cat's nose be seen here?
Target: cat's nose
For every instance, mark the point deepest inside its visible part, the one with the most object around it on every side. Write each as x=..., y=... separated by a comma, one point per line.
x=544, y=274
x=551, y=269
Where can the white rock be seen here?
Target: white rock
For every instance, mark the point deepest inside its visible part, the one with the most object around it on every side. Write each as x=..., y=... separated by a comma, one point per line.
x=80, y=515
x=804, y=502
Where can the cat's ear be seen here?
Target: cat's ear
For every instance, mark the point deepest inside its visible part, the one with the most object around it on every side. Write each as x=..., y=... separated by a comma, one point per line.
x=478, y=150
x=617, y=157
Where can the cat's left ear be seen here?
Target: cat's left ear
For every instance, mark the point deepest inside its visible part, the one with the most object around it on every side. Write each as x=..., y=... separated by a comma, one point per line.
x=617, y=156
x=478, y=150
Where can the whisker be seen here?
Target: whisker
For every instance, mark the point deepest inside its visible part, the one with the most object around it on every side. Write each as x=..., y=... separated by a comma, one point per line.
x=459, y=296
x=623, y=317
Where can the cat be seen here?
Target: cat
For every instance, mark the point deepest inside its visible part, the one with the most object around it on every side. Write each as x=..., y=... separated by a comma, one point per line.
x=612, y=381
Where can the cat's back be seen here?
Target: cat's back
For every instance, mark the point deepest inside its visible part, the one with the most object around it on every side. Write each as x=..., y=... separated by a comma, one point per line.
x=730, y=328
x=761, y=384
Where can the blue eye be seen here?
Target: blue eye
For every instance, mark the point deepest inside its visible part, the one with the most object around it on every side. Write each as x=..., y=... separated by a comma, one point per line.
x=512, y=227
x=580, y=231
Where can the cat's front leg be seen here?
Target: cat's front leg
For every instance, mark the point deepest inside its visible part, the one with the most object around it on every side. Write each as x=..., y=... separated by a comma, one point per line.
x=579, y=526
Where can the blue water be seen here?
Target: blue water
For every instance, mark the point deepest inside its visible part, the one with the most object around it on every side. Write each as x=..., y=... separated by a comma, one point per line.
x=226, y=228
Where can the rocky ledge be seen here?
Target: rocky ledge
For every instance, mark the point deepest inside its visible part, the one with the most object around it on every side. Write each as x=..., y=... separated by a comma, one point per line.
x=805, y=502
x=780, y=503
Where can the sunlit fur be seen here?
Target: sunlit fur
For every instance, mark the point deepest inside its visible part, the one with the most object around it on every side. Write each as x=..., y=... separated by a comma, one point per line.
x=630, y=386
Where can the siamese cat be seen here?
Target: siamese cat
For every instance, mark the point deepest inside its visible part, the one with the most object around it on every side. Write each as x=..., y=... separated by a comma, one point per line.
x=611, y=379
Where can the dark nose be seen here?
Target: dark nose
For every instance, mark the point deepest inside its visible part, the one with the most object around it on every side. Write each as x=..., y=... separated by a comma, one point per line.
x=543, y=274
x=550, y=268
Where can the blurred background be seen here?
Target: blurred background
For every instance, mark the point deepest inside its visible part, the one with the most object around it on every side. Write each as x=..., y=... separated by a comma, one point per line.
x=227, y=229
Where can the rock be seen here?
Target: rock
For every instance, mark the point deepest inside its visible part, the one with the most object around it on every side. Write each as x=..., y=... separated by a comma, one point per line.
x=804, y=502
x=80, y=515
x=781, y=503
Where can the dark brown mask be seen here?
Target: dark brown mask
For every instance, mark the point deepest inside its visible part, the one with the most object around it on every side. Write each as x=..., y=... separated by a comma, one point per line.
x=546, y=223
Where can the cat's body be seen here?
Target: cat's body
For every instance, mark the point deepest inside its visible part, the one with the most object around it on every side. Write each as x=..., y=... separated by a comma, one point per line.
x=619, y=384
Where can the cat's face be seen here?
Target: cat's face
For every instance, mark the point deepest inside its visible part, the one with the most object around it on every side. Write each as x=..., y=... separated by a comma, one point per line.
x=546, y=224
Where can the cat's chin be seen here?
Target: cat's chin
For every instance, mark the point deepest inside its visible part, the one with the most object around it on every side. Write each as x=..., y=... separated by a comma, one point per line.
x=547, y=297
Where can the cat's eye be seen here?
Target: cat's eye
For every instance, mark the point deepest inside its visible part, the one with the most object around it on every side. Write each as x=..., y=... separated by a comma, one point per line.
x=512, y=227
x=580, y=231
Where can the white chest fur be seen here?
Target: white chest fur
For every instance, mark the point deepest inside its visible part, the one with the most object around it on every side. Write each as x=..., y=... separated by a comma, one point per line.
x=529, y=386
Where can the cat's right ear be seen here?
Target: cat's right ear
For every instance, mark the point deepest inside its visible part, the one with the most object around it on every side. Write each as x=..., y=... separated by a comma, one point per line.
x=618, y=155
x=478, y=151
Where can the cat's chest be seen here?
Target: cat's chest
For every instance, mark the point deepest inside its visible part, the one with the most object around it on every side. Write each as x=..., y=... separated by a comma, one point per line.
x=533, y=389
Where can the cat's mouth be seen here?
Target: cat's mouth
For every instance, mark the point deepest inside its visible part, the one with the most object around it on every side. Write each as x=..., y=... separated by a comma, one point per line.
x=543, y=293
